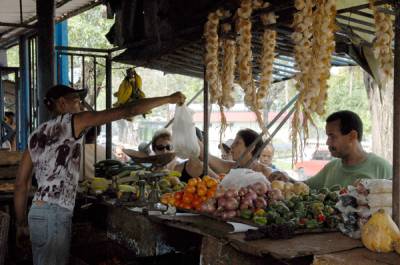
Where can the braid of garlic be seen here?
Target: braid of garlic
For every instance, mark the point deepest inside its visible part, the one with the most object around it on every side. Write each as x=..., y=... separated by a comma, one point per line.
x=228, y=69
x=323, y=48
x=383, y=44
x=267, y=57
x=243, y=29
x=211, y=57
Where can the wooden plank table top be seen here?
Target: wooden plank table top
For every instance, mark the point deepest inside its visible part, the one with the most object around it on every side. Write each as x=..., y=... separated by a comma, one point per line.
x=359, y=256
x=299, y=246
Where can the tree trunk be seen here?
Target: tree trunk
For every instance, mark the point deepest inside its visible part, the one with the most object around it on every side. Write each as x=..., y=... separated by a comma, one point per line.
x=381, y=107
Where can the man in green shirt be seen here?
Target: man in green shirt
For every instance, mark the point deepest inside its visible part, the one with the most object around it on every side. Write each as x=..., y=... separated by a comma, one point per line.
x=344, y=130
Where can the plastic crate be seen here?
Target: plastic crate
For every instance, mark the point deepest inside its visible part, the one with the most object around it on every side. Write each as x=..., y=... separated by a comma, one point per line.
x=4, y=227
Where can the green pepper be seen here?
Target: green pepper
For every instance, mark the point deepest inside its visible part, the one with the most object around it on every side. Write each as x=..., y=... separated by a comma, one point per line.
x=324, y=191
x=336, y=187
x=260, y=212
x=260, y=220
x=333, y=221
x=312, y=224
x=246, y=214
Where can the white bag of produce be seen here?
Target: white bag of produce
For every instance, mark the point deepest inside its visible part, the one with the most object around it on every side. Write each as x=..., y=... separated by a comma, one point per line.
x=379, y=200
x=377, y=185
x=184, y=134
x=242, y=177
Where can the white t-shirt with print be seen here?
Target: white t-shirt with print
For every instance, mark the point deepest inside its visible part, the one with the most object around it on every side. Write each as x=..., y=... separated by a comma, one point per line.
x=56, y=153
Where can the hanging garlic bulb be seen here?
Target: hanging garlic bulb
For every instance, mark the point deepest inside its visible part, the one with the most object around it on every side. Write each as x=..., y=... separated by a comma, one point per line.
x=211, y=57
x=383, y=44
x=314, y=38
x=323, y=48
x=228, y=68
x=243, y=29
x=267, y=57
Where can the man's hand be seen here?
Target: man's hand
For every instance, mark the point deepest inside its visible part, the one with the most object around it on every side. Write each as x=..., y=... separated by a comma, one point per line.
x=22, y=240
x=177, y=98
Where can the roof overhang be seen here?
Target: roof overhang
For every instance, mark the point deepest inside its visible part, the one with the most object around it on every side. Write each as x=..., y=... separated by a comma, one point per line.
x=18, y=17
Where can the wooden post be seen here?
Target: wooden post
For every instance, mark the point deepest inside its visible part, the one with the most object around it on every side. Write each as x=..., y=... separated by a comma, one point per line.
x=206, y=124
x=396, y=118
x=108, y=105
x=45, y=10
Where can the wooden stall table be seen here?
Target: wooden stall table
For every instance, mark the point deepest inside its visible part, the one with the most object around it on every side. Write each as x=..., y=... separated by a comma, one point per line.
x=221, y=247
x=359, y=256
x=160, y=234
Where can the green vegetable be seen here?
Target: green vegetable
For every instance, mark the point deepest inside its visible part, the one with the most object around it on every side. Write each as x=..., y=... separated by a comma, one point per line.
x=260, y=212
x=246, y=214
x=312, y=224
x=332, y=196
x=324, y=191
x=260, y=220
x=336, y=187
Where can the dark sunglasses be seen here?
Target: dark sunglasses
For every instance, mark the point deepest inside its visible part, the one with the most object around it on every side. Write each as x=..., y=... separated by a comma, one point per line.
x=161, y=147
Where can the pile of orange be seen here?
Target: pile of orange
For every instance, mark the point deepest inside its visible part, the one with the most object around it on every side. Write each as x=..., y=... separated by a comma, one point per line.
x=193, y=195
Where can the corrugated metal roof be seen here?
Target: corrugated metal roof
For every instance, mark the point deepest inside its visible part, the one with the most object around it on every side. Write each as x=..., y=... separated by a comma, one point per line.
x=10, y=13
x=353, y=18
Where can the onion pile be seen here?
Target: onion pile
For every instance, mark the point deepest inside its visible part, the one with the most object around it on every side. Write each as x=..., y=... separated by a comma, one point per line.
x=383, y=44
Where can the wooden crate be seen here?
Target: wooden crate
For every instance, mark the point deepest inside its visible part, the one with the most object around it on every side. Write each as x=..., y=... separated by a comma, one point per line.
x=8, y=158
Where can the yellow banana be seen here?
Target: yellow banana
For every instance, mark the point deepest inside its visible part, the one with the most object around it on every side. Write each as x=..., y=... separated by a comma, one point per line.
x=124, y=92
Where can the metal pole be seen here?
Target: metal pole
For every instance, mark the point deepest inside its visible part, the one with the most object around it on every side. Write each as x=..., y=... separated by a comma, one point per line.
x=1, y=106
x=206, y=124
x=24, y=110
x=396, y=118
x=45, y=10
x=95, y=105
x=108, y=105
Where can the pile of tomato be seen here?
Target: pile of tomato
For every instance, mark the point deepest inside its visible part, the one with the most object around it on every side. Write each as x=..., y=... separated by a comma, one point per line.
x=193, y=195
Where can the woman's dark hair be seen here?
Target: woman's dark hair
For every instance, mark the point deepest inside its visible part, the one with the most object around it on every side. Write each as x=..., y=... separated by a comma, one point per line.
x=348, y=121
x=249, y=136
x=163, y=133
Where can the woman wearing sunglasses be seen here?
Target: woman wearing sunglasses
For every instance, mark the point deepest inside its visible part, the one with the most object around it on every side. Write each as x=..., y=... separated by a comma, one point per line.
x=162, y=143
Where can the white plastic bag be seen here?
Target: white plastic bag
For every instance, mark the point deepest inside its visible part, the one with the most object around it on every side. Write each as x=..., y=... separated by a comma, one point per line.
x=379, y=200
x=377, y=185
x=242, y=177
x=184, y=134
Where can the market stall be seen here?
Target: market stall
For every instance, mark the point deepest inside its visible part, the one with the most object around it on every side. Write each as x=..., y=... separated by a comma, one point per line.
x=149, y=210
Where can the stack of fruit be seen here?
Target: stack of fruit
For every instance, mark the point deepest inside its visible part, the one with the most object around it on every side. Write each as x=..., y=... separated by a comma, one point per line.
x=171, y=183
x=195, y=193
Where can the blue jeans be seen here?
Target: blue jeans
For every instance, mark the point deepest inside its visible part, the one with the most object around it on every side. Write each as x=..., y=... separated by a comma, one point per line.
x=50, y=231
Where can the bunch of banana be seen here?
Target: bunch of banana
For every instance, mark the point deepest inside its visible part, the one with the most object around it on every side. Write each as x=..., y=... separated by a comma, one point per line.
x=129, y=90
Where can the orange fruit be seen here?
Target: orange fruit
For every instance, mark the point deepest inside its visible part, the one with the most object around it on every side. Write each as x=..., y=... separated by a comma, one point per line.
x=192, y=182
x=210, y=193
x=201, y=190
x=178, y=195
x=187, y=197
x=211, y=182
x=186, y=206
x=190, y=189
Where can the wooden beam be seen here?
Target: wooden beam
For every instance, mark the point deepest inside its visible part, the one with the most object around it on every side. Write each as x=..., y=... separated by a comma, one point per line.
x=17, y=25
x=396, y=119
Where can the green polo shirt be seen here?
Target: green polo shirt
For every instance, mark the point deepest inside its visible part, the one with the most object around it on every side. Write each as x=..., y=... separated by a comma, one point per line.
x=374, y=167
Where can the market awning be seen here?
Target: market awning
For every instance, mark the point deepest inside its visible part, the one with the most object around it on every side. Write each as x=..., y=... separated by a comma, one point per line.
x=173, y=48
x=18, y=17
